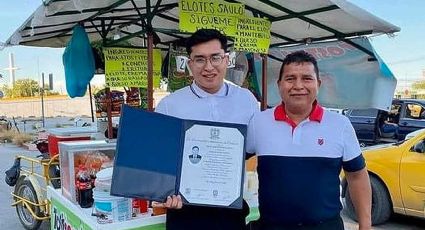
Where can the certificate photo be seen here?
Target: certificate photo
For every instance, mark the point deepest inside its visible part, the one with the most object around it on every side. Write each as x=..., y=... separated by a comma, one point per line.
x=195, y=158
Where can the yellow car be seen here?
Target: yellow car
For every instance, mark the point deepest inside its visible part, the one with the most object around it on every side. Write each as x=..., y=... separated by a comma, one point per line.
x=397, y=177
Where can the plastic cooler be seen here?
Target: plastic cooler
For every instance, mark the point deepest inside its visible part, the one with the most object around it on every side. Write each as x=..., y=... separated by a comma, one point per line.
x=67, y=134
x=93, y=154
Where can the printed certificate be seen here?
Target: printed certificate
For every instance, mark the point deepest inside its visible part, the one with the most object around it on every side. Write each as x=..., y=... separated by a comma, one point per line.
x=159, y=156
x=212, y=165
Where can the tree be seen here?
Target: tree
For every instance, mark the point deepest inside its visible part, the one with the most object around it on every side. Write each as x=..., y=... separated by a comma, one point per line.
x=25, y=88
x=6, y=90
x=418, y=89
x=419, y=85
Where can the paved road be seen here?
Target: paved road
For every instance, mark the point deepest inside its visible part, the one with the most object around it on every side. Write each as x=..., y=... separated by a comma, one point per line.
x=9, y=218
x=397, y=222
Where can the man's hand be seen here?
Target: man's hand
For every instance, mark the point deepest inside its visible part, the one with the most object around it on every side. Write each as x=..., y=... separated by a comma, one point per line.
x=365, y=228
x=172, y=202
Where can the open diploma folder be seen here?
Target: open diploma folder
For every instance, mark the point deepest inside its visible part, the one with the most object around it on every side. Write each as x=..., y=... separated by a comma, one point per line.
x=159, y=155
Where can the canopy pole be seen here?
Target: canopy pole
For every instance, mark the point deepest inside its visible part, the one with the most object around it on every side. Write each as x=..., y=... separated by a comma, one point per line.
x=150, y=70
x=91, y=103
x=109, y=112
x=107, y=89
x=361, y=48
x=264, y=82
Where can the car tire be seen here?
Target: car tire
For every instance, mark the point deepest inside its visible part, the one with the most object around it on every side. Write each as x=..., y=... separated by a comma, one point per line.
x=381, y=203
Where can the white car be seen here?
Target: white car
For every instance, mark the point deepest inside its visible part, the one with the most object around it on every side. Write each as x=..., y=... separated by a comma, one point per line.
x=412, y=134
x=340, y=111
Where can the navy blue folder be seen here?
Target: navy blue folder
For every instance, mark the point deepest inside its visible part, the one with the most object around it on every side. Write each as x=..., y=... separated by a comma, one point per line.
x=149, y=155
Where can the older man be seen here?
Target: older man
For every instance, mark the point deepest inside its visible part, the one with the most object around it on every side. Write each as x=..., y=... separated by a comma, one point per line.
x=301, y=149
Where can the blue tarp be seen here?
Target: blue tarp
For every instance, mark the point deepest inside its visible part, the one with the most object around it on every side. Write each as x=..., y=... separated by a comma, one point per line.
x=350, y=79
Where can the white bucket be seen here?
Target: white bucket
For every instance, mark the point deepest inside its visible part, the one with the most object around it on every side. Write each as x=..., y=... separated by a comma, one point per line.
x=103, y=180
x=111, y=209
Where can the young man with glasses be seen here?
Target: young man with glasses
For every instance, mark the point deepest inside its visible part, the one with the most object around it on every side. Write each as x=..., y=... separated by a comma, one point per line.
x=208, y=98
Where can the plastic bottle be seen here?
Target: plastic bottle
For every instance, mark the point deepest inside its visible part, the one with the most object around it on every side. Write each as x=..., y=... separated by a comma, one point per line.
x=84, y=187
x=136, y=207
x=92, y=173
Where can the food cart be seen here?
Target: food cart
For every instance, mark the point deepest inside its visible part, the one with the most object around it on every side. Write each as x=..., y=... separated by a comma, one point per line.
x=149, y=24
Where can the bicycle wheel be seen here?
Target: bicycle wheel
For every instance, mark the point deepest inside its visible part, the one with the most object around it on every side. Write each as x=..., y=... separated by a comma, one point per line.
x=26, y=190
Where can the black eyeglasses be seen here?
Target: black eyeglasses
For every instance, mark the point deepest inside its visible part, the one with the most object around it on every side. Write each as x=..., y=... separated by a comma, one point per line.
x=215, y=60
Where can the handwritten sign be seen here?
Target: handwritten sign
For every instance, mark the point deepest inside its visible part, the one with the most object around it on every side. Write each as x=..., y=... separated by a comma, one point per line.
x=219, y=15
x=250, y=34
x=129, y=67
x=253, y=35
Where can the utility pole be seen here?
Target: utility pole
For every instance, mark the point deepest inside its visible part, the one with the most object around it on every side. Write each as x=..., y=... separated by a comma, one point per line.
x=42, y=98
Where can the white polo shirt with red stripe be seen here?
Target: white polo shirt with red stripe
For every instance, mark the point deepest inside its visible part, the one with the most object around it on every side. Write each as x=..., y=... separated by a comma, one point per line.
x=299, y=165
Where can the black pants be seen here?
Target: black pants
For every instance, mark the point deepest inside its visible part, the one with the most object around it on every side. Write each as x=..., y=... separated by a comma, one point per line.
x=206, y=218
x=331, y=224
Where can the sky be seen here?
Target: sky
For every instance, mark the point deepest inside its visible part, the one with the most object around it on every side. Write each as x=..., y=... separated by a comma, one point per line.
x=404, y=53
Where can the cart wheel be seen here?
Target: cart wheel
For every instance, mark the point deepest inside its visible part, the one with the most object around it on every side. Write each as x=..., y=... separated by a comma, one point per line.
x=54, y=172
x=27, y=191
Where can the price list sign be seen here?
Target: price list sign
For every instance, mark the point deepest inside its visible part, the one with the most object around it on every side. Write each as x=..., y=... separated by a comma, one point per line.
x=128, y=67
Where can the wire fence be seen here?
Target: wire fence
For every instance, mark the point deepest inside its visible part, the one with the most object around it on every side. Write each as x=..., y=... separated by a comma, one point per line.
x=53, y=107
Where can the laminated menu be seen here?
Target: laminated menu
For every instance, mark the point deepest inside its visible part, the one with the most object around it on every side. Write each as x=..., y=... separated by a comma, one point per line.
x=159, y=156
